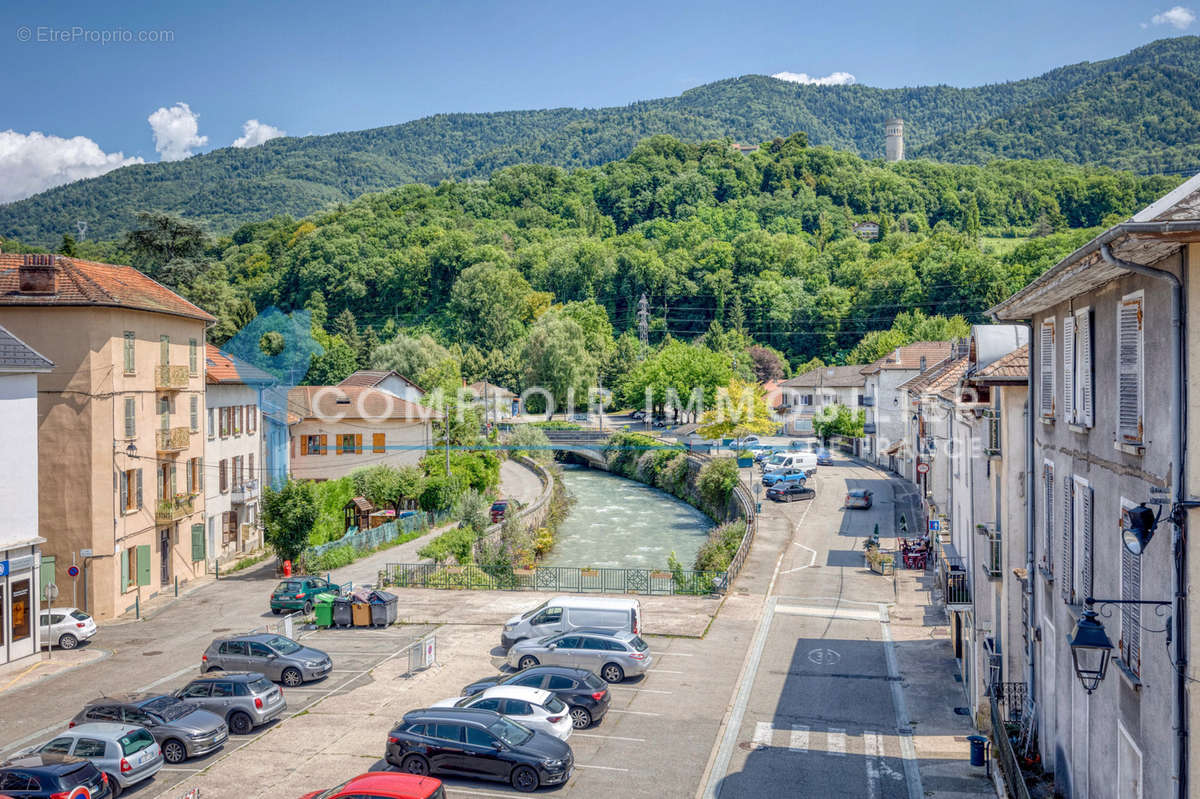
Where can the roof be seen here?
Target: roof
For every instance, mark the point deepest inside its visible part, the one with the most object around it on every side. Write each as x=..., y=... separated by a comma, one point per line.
x=89, y=283
x=537, y=696
x=17, y=356
x=353, y=402
x=910, y=356
x=1157, y=231
x=362, y=503
x=1013, y=367
x=493, y=390
x=221, y=367
x=828, y=377
x=918, y=384
x=371, y=378
x=946, y=384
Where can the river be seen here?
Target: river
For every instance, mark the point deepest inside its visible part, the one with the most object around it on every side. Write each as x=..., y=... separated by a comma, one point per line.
x=620, y=523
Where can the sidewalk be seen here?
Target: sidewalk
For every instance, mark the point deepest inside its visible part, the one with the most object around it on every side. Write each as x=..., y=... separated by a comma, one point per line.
x=27, y=671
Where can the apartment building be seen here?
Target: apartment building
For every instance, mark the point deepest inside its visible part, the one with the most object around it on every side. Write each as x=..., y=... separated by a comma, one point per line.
x=120, y=424
x=804, y=396
x=886, y=420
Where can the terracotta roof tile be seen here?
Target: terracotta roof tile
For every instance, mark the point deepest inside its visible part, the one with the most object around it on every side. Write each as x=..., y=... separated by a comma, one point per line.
x=910, y=355
x=828, y=376
x=371, y=378
x=493, y=390
x=89, y=283
x=353, y=402
x=918, y=384
x=220, y=367
x=1013, y=366
x=947, y=383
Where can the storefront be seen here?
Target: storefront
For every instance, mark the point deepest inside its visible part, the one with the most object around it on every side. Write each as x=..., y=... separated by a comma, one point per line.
x=18, y=602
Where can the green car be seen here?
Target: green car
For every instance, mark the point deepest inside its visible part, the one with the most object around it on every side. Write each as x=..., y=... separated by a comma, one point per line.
x=299, y=593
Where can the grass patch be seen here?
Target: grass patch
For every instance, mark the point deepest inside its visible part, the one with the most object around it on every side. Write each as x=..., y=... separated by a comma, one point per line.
x=246, y=563
x=337, y=557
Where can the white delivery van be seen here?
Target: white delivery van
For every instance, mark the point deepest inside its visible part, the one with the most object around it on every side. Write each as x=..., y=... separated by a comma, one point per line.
x=564, y=613
x=791, y=460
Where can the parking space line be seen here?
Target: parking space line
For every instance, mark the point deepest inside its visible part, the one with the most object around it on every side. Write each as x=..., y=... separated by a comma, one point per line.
x=634, y=712
x=676, y=654
x=181, y=770
x=641, y=690
x=473, y=792
x=763, y=730
x=608, y=737
x=667, y=671
x=602, y=768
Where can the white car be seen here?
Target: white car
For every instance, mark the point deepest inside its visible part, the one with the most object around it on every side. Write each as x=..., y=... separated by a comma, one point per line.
x=536, y=708
x=66, y=627
x=127, y=753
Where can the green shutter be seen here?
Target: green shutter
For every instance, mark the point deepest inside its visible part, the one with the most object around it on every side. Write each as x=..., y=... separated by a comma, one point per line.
x=197, y=542
x=174, y=484
x=124, y=568
x=143, y=565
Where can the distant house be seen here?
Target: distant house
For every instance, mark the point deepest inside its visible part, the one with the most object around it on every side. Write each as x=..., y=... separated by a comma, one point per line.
x=499, y=402
x=886, y=419
x=745, y=149
x=393, y=383
x=803, y=396
x=867, y=231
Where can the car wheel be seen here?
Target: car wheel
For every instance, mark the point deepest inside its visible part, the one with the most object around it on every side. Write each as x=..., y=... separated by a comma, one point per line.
x=526, y=662
x=173, y=751
x=276, y=611
x=525, y=779
x=415, y=764
x=215, y=668
x=240, y=723
x=581, y=719
x=68, y=641
x=292, y=677
x=612, y=673
x=307, y=608
x=114, y=785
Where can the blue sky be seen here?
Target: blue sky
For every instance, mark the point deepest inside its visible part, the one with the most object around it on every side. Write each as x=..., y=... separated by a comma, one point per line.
x=306, y=67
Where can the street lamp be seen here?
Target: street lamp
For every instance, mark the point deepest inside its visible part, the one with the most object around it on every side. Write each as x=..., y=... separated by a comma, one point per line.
x=1090, y=649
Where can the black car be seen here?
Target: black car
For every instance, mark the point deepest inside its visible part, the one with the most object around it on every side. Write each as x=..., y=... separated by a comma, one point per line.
x=478, y=743
x=47, y=775
x=583, y=692
x=788, y=492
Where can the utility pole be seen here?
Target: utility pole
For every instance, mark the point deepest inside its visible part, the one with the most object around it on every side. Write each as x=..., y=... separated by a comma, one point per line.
x=644, y=322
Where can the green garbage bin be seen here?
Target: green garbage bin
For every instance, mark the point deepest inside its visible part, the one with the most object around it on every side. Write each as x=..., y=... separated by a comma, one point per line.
x=323, y=607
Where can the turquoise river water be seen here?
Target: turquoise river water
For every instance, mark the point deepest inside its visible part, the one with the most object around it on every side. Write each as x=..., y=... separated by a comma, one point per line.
x=619, y=523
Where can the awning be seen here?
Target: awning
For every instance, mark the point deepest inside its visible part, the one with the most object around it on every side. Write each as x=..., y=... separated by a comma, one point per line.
x=894, y=449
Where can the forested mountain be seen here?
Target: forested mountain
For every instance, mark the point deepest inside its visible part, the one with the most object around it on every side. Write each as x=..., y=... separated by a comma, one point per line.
x=1136, y=111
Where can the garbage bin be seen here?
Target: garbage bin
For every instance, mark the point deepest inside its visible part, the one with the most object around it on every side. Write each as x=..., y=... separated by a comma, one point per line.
x=342, y=616
x=978, y=744
x=384, y=608
x=361, y=612
x=324, y=609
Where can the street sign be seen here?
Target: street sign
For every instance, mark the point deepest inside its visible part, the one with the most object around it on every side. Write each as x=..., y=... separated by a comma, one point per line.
x=934, y=525
x=3, y=568
x=85, y=553
x=73, y=571
x=50, y=592
x=922, y=468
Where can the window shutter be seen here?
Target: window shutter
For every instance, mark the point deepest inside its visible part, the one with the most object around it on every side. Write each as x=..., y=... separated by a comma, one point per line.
x=324, y=444
x=123, y=480
x=200, y=473
x=174, y=484
x=358, y=443
x=1083, y=369
x=139, y=488
x=1048, y=516
x=1085, y=568
x=1069, y=409
x=195, y=412
x=1067, y=581
x=143, y=565
x=303, y=445
x=191, y=475
x=130, y=417
x=1129, y=370
x=379, y=442
x=1046, y=368
x=124, y=569
x=197, y=542
x=1131, y=590
x=337, y=443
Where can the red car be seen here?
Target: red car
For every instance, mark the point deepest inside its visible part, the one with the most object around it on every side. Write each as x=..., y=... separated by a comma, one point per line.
x=385, y=785
x=499, y=510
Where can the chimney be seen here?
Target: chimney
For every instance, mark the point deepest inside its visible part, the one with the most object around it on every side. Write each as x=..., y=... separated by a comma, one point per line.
x=38, y=274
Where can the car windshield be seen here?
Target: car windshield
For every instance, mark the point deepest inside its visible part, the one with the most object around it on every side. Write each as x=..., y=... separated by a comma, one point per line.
x=261, y=686
x=510, y=732
x=637, y=643
x=466, y=700
x=135, y=741
x=79, y=615
x=168, y=708
x=284, y=646
x=287, y=587
x=535, y=610
x=332, y=791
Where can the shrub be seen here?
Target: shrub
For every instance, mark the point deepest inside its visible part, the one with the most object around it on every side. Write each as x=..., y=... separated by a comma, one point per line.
x=722, y=544
x=472, y=510
x=438, y=494
x=531, y=442
x=457, y=543
x=716, y=483
x=332, y=496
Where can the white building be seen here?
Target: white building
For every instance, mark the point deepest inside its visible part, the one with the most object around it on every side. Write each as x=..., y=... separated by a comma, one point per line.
x=387, y=380
x=886, y=418
x=804, y=396
x=20, y=551
x=233, y=455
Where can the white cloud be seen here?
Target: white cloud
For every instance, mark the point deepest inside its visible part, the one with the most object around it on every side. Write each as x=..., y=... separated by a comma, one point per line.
x=175, y=131
x=1178, y=17
x=255, y=133
x=33, y=162
x=835, y=79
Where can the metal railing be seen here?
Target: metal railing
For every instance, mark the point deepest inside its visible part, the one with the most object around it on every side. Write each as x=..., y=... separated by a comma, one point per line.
x=169, y=510
x=285, y=626
x=993, y=562
x=565, y=579
x=377, y=536
x=1004, y=726
x=170, y=377
x=172, y=439
x=956, y=588
x=244, y=492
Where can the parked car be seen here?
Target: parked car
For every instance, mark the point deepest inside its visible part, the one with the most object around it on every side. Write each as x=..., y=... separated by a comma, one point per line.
x=614, y=656
x=747, y=442
x=790, y=492
x=824, y=457
x=586, y=696
x=478, y=743
x=124, y=753
x=299, y=593
x=499, y=509
x=246, y=699
x=66, y=627
x=51, y=776
x=563, y=613
x=858, y=498
x=280, y=659
x=384, y=785
x=182, y=730
x=780, y=476
x=536, y=708
x=806, y=461
x=639, y=415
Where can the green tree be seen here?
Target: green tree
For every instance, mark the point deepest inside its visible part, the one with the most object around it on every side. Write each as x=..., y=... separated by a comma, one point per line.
x=490, y=304
x=556, y=359
x=838, y=420
x=289, y=515
x=741, y=410
x=409, y=355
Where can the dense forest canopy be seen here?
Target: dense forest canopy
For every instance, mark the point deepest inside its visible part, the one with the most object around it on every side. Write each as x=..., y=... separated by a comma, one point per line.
x=1137, y=112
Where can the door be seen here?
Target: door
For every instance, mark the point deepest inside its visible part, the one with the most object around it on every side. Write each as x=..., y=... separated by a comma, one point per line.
x=198, y=694
x=234, y=656
x=261, y=658
x=222, y=697
x=522, y=712
x=447, y=752
x=164, y=556
x=480, y=748
x=591, y=654
x=548, y=622
x=565, y=652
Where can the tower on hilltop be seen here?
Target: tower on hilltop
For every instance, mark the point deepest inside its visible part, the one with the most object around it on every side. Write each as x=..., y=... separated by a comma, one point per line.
x=894, y=130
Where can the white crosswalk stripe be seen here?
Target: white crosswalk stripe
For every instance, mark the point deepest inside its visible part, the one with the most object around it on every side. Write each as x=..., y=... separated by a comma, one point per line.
x=836, y=742
x=798, y=741
x=763, y=731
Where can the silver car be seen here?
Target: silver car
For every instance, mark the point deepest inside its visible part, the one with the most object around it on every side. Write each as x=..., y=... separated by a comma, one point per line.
x=614, y=656
x=246, y=699
x=182, y=730
x=279, y=658
x=66, y=627
x=126, y=753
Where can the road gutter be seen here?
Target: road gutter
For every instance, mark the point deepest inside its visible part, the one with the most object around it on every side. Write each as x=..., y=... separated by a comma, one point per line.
x=904, y=731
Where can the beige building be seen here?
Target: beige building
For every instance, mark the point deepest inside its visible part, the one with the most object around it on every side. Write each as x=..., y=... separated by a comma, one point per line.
x=120, y=425
x=338, y=429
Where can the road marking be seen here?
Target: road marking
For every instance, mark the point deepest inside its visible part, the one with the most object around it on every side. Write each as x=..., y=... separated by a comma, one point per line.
x=168, y=678
x=836, y=742
x=641, y=690
x=666, y=671
x=824, y=656
x=181, y=770
x=908, y=751
x=872, y=747
x=473, y=792
x=798, y=740
x=603, y=768
x=849, y=614
x=633, y=712
x=762, y=734
x=676, y=654
x=811, y=561
x=607, y=737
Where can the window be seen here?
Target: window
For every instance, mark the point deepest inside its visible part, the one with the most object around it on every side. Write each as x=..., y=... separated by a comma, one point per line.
x=233, y=648
x=1079, y=397
x=229, y=525
x=193, y=357
x=250, y=467
x=196, y=690
x=89, y=747
x=558, y=683
x=314, y=445
x=236, y=414
x=349, y=443
x=223, y=475
x=251, y=419
x=517, y=707
x=1048, y=519
x=130, y=417
x=224, y=689
x=22, y=607
x=212, y=431
x=806, y=399
x=478, y=737
x=448, y=732
x=60, y=746
x=1067, y=581
x=223, y=415
x=1130, y=400
x=238, y=476
x=129, y=361
x=164, y=350
x=195, y=413
x=131, y=489
x=490, y=703
x=164, y=412
x=1046, y=369
x=379, y=442
x=1081, y=514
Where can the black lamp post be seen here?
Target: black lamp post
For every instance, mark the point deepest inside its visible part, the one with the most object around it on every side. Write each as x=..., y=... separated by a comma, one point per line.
x=1090, y=649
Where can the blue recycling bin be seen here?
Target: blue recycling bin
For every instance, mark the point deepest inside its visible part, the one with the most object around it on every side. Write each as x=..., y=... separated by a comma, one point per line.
x=978, y=750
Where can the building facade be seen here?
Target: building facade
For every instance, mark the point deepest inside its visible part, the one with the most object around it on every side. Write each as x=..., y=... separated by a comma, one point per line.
x=20, y=538
x=393, y=383
x=886, y=417
x=120, y=424
x=804, y=396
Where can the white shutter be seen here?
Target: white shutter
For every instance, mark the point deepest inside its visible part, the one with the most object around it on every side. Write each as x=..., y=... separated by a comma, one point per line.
x=1083, y=493
x=1069, y=409
x=1083, y=368
x=1131, y=590
x=1046, y=368
x=1048, y=515
x=1129, y=370
x=1067, y=580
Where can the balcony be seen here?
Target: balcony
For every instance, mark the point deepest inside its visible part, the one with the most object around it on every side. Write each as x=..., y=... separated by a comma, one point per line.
x=171, y=378
x=952, y=578
x=869, y=428
x=993, y=552
x=171, y=510
x=866, y=401
x=246, y=492
x=172, y=439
